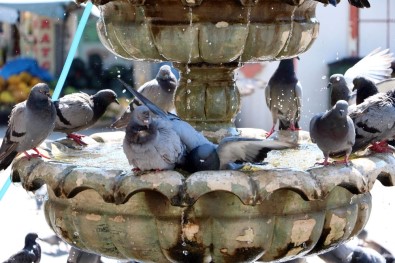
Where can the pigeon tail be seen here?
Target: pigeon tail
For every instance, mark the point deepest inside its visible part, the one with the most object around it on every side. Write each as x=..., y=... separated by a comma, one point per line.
x=8, y=160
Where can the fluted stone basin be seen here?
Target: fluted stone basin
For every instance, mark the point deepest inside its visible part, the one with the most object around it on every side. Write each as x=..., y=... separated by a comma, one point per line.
x=207, y=40
x=268, y=212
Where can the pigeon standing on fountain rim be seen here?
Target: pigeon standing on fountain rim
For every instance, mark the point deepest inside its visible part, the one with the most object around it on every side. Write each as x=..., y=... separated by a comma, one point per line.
x=333, y=131
x=200, y=153
x=31, y=252
x=79, y=111
x=159, y=90
x=284, y=96
x=30, y=123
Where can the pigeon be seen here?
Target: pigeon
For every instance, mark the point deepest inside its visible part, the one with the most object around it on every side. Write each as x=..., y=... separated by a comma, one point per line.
x=30, y=123
x=79, y=111
x=200, y=154
x=376, y=66
x=31, y=252
x=333, y=131
x=374, y=121
x=350, y=253
x=159, y=90
x=284, y=97
x=364, y=89
x=151, y=143
x=52, y=240
x=356, y=3
x=79, y=256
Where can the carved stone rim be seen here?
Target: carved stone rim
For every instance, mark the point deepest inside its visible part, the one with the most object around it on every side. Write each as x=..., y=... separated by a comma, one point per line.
x=117, y=186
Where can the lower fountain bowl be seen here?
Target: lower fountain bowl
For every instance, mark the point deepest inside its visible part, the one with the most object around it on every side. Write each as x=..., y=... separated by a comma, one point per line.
x=267, y=214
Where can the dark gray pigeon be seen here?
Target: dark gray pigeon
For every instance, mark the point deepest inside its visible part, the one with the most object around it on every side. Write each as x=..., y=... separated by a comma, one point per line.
x=79, y=111
x=201, y=154
x=30, y=123
x=159, y=90
x=151, y=143
x=350, y=253
x=356, y=3
x=333, y=131
x=364, y=89
x=376, y=66
x=284, y=96
x=31, y=252
x=374, y=121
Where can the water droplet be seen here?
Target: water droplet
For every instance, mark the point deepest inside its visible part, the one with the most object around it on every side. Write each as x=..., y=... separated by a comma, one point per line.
x=323, y=77
x=124, y=90
x=183, y=244
x=189, y=80
x=185, y=252
x=188, y=91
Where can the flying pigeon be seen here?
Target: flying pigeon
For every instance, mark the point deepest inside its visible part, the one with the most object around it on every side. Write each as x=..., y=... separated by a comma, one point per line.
x=376, y=66
x=151, y=143
x=200, y=153
x=333, y=131
x=31, y=252
x=30, y=123
x=79, y=111
x=79, y=256
x=284, y=97
x=159, y=90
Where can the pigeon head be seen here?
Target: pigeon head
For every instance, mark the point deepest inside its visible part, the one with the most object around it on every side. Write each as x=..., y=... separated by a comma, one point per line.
x=341, y=108
x=30, y=238
x=361, y=82
x=40, y=90
x=164, y=73
x=142, y=116
x=105, y=97
x=337, y=79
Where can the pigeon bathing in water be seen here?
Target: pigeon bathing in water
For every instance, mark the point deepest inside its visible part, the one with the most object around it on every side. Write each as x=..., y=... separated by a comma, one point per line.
x=159, y=90
x=30, y=123
x=333, y=131
x=79, y=111
x=375, y=67
x=31, y=252
x=284, y=96
x=200, y=154
x=151, y=143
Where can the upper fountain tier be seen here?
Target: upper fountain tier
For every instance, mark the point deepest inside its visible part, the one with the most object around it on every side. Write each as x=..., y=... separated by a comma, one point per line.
x=215, y=32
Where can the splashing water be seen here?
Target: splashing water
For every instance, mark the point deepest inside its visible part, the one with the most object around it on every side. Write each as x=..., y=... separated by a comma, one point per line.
x=291, y=29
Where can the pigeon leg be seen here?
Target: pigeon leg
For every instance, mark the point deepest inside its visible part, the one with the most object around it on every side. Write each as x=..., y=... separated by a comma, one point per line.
x=270, y=132
x=136, y=170
x=40, y=154
x=77, y=138
x=324, y=163
x=381, y=147
x=346, y=161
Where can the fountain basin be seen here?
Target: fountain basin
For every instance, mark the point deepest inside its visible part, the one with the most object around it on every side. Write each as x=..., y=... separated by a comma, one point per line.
x=270, y=213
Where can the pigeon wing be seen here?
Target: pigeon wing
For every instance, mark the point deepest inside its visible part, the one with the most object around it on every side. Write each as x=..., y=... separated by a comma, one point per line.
x=375, y=66
x=232, y=149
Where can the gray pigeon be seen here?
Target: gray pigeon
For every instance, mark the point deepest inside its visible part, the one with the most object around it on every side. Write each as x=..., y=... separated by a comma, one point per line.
x=30, y=123
x=284, y=96
x=159, y=90
x=200, y=153
x=333, y=131
x=31, y=252
x=376, y=66
x=151, y=143
x=374, y=121
x=356, y=3
x=79, y=111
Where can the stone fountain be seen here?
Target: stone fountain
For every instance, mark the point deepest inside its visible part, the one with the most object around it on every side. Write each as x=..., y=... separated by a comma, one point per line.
x=270, y=213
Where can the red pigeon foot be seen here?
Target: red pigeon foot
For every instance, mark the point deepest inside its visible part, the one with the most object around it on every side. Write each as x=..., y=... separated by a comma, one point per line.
x=77, y=138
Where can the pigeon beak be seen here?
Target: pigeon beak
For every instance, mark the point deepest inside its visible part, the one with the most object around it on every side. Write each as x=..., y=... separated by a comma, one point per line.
x=329, y=86
x=146, y=122
x=48, y=94
x=341, y=112
x=116, y=101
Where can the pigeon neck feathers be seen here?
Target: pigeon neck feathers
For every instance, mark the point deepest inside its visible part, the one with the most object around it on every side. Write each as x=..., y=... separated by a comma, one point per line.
x=101, y=100
x=285, y=72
